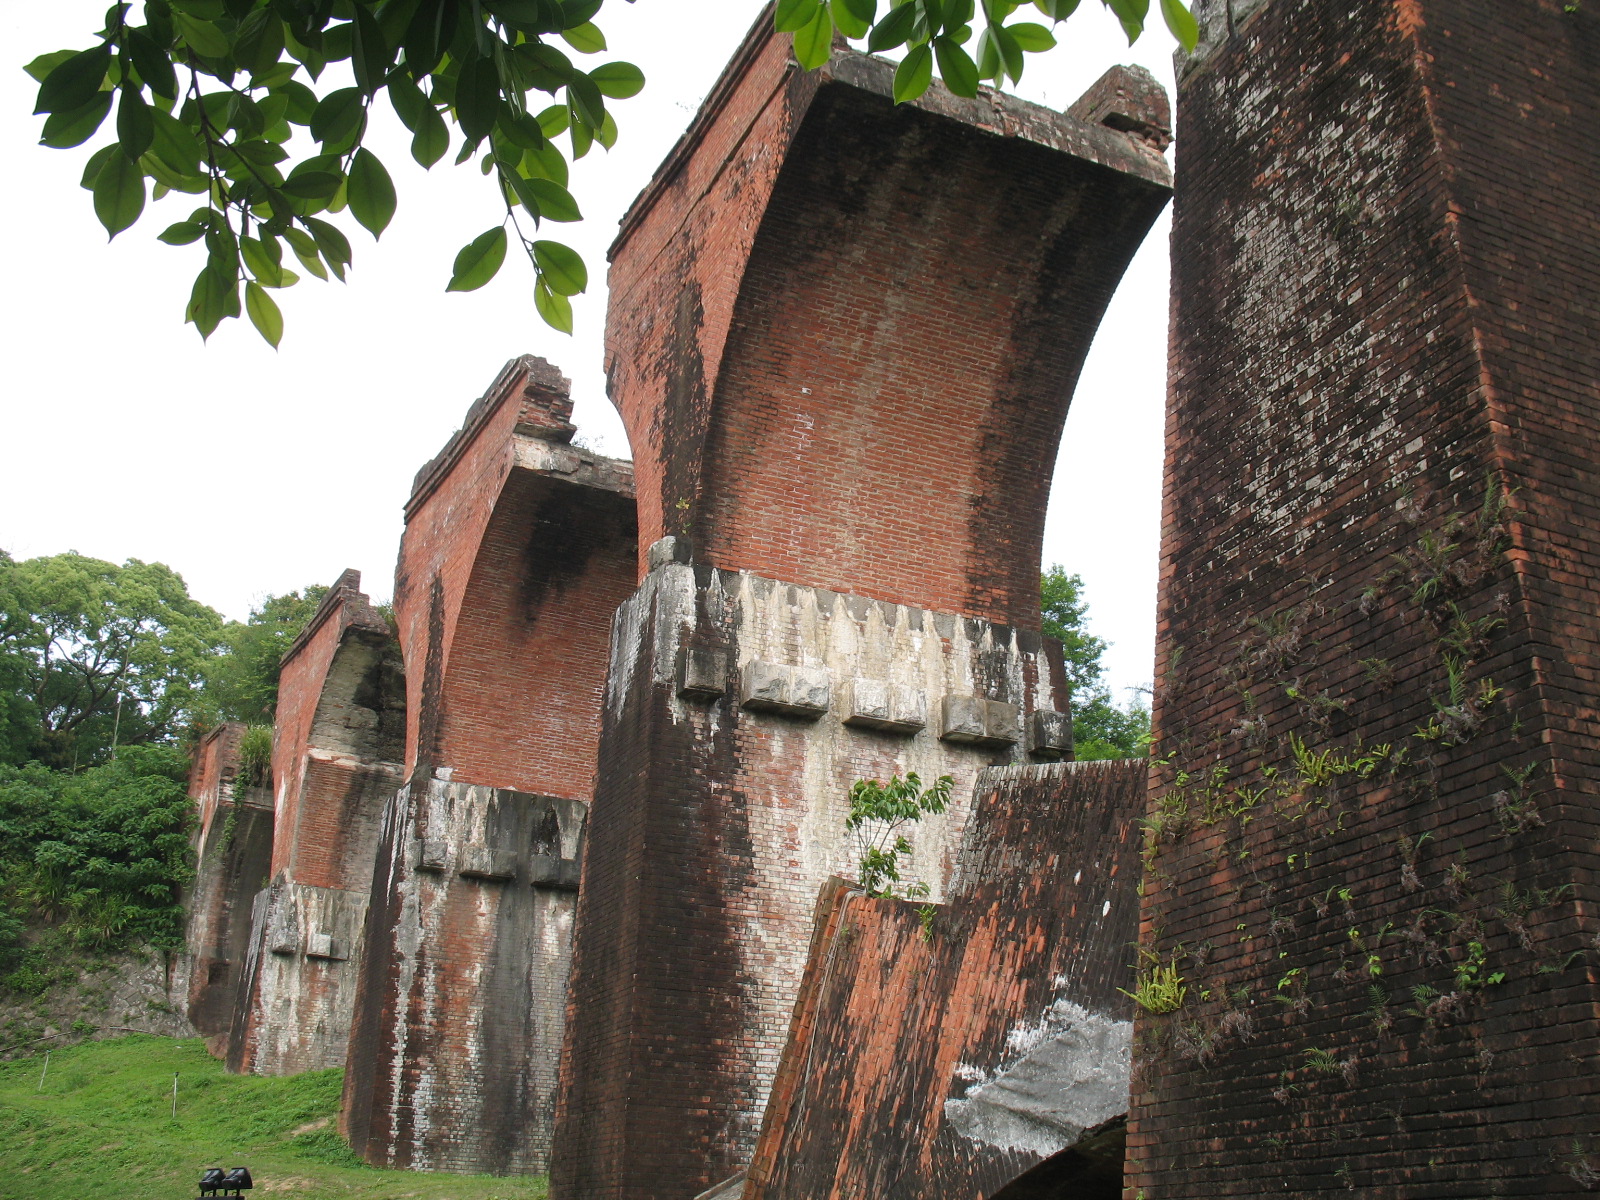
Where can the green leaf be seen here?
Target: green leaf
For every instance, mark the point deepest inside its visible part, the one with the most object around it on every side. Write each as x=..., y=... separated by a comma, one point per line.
x=791, y=16
x=74, y=82
x=334, y=245
x=204, y=38
x=1010, y=52
x=960, y=73
x=206, y=10
x=522, y=131
x=854, y=17
x=135, y=128
x=585, y=38
x=478, y=261
x=618, y=80
x=562, y=267
x=1131, y=13
x=41, y=67
x=813, y=42
x=606, y=135
x=1032, y=37
x=894, y=30
x=1057, y=10
x=555, y=202
x=73, y=127
x=914, y=74
x=576, y=12
x=152, y=62
x=337, y=116
x=432, y=141
x=174, y=143
x=370, y=55
x=311, y=185
x=477, y=100
x=555, y=308
x=259, y=42
x=305, y=249
x=547, y=163
x=372, y=198
x=989, y=64
x=407, y=100
x=586, y=100
x=264, y=314
x=91, y=169
x=1182, y=24
x=302, y=101
x=182, y=234
x=262, y=264
x=555, y=119
x=118, y=194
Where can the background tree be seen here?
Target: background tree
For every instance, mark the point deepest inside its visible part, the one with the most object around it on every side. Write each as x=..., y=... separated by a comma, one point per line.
x=91, y=652
x=97, y=859
x=1099, y=728
x=210, y=98
x=242, y=682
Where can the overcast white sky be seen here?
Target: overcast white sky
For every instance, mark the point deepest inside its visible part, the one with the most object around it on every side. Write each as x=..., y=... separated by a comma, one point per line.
x=253, y=472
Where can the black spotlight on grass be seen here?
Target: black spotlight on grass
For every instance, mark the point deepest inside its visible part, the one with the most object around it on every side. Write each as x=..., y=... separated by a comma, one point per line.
x=217, y=1182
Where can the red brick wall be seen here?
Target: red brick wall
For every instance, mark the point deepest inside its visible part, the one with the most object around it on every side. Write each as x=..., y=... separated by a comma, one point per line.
x=509, y=573
x=523, y=686
x=843, y=336
x=1371, y=855
x=301, y=687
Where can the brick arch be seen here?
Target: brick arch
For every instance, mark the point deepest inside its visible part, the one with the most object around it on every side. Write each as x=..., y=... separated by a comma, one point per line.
x=844, y=334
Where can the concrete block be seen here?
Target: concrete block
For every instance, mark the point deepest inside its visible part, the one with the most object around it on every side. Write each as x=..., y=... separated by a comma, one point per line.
x=702, y=674
x=325, y=945
x=1049, y=734
x=430, y=854
x=810, y=691
x=665, y=551
x=284, y=942
x=792, y=691
x=875, y=704
x=1002, y=723
x=551, y=871
x=481, y=862
x=975, y=721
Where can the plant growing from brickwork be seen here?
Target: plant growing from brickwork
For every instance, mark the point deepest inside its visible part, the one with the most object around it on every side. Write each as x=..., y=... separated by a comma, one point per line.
x=232, y=102
x=879, y=815
x=255, y=757
x=1295, y=792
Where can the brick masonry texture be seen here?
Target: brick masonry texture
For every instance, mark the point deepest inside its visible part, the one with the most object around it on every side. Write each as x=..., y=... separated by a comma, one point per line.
x=715, y=822
x=337, y=750
x=843, y=335
x=1372, y=853
x=233, y=854
x=947, y=1062
x=453, y=1061
x=518, y=548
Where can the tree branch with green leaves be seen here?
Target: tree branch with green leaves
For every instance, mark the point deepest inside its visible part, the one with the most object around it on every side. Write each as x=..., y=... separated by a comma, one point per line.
x=261, y=110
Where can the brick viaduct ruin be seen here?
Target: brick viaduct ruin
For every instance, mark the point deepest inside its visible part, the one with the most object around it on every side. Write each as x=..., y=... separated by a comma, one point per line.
x=550, y=860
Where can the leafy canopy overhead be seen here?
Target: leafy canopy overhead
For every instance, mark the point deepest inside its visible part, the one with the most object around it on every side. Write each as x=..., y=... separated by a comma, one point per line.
x=260, y=110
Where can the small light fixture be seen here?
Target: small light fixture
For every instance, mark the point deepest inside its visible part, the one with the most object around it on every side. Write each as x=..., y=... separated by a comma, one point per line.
x=216, y=1182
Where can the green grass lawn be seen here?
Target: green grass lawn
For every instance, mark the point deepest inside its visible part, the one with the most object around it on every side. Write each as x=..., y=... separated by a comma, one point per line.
x=102, y=1126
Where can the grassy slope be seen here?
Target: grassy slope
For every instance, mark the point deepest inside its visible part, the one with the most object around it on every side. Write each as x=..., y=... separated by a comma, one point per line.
x=103, y=1126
